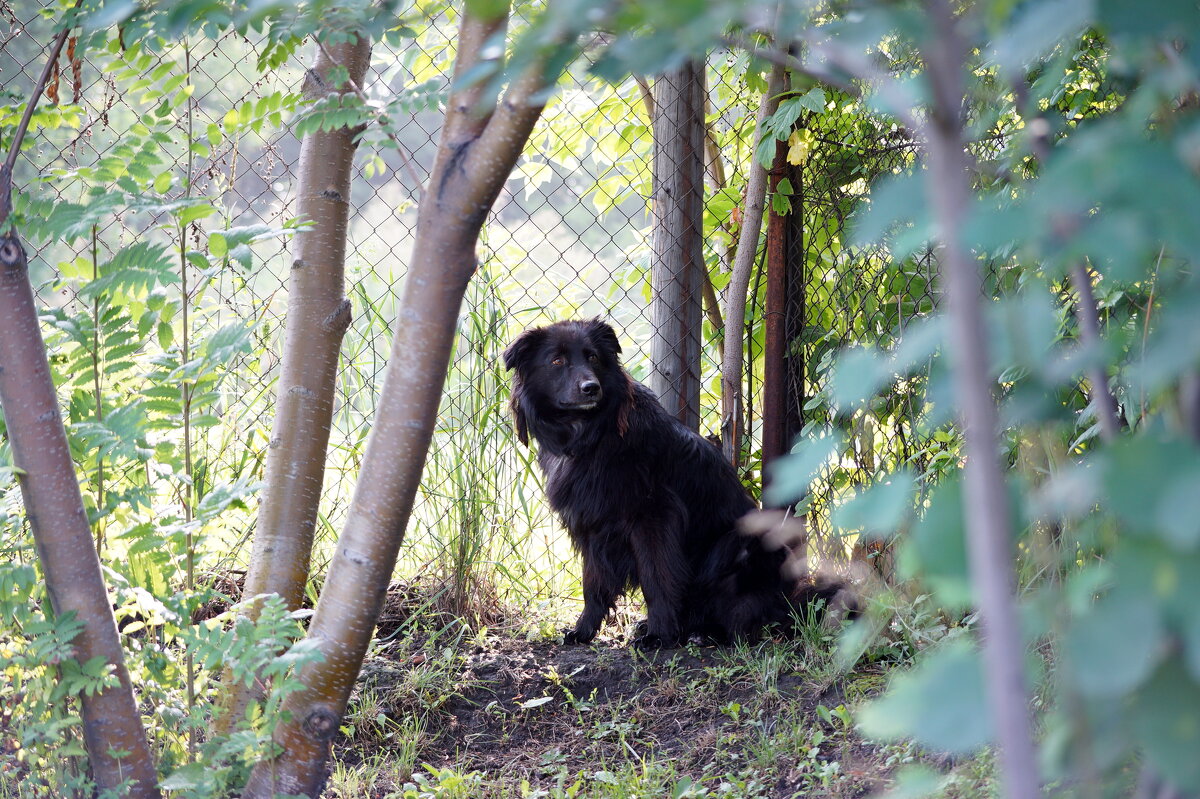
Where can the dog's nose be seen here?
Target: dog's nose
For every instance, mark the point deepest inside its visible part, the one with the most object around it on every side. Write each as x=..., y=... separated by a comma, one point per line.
x=589, y=388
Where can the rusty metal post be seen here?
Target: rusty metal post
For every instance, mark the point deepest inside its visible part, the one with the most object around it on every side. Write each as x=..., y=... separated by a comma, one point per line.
x=774, y=443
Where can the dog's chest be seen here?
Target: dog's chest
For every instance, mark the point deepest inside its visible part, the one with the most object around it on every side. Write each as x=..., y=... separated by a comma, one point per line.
x=588, y=492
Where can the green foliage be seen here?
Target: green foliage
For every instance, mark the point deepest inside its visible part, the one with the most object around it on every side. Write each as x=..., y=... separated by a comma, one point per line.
x=475, y=462
x=1083, y=122
x=145, y=372
x=268, y=648
x=1105, y=533
x=38, y=680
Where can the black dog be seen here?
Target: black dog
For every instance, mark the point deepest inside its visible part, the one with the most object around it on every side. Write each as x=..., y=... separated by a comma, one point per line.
x=648, y=503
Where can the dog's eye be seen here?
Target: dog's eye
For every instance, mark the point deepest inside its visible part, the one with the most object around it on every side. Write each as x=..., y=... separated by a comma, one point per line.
x=593, y=358
x=558, y=361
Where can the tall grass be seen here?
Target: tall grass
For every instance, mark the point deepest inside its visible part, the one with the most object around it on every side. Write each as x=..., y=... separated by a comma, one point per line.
x=481, y=527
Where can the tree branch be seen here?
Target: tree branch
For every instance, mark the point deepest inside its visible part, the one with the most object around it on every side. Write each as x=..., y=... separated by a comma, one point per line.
x=1086, y=312
x=1088, y=317
x=442, y=263
x=14, y=150
x=788, y=61
x=647, y=96
x=384, y=122
x=503, y=138
x=466, y=113
x=739, y=280
x=853, y=63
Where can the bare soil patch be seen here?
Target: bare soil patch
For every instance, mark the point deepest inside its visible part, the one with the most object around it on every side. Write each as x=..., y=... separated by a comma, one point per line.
x=534, y=715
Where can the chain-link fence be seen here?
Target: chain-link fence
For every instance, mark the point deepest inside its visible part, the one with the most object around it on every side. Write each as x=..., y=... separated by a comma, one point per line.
x=569, y=236
x=843, y=294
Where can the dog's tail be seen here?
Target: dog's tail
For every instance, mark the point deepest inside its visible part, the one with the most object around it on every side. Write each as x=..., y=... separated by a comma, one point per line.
x=835, y=588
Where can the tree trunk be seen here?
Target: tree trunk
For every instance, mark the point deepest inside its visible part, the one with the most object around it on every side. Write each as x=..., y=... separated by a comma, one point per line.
x=478, y=149
x=989, y=528
x=714, y=173
x=317, y=318
x=67, y=554
x=54, y=505
x=775, y=340
x=739, y=282
x=677, y=260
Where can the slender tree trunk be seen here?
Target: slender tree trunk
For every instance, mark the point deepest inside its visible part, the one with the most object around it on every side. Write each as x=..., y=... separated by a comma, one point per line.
x=1086, y=312
x=50, y=490
x=714, y=173
x=317, y=318
x=989, y=528
x=54, y=504
x=775, y=339
x=1088, y=316
x=739, y=281
x=478, y=149
x=677, y=263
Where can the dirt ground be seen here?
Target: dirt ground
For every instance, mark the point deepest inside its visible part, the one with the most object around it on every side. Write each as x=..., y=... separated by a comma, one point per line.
x=532, y=718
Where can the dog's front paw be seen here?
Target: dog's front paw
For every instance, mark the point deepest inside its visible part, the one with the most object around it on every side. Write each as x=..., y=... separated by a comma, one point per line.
x=647, y=641
x=578, y=635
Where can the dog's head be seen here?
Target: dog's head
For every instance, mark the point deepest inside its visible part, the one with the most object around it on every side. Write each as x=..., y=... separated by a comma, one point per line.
x=567, y=369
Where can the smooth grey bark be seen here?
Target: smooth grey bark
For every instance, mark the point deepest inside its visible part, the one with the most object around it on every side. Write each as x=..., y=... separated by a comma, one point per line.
x=714, y=173
x=479, y=146
x=54, y=504
x=1088, y=316
x=989, y=526
x=317, y=317
x=66, y=551
x=677, y=258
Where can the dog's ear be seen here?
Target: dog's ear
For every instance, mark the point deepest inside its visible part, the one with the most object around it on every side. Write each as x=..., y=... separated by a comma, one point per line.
x=522, y=348
x=603, y=336
x=520, y=421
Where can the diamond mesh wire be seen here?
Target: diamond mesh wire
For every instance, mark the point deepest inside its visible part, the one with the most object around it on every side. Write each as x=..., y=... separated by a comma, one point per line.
x=849, y=294
x=569, y=236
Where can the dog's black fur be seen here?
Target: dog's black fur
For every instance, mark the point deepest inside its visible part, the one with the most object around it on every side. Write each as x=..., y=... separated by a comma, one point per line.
x=648, y=503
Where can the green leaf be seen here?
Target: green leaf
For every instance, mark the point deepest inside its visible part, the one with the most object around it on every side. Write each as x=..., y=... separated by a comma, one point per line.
x=235, y=242
x=223, y=496
x=189, y=777
x=192, y=213
x=1166, y=720
x=1150, y=18
x=896, y=213
x=1115, y=645
x=70, y=221
x=227, y=342
x=940, y=702
x=217, y=245
x=1150, y=484
x=134, y=268
x=791, y=474
x=814, y=100
x=780, y=123
x=1023, y=329
x=859, y=374
x=764, y=151
x=1036, y=29
x=881, y=509
x=936, y=549
x=916, y=782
